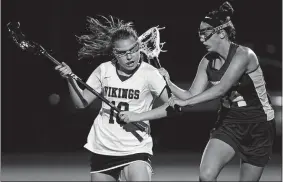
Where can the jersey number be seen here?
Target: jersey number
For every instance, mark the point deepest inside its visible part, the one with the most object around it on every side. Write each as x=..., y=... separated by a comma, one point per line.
x=122, y=106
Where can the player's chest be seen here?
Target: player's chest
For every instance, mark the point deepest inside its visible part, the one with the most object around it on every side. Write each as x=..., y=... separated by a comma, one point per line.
x=133, y=88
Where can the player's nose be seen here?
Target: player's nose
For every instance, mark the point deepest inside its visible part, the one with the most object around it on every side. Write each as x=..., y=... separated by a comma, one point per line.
x=129, y=56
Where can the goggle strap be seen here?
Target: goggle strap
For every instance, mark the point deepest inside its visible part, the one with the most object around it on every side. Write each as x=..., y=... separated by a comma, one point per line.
x=227, y=24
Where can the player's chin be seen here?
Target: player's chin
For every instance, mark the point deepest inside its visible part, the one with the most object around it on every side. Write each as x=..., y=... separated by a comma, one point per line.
x=209, y=49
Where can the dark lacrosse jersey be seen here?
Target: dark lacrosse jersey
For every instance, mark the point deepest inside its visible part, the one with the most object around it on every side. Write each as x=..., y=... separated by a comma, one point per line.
x=248, y=95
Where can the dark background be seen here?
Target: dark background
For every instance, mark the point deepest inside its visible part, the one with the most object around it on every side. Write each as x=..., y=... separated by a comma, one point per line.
x=30, y=123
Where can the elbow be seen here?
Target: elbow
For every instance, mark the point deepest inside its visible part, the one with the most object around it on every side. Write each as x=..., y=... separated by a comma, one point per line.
x=187, y=94
x=222, y=91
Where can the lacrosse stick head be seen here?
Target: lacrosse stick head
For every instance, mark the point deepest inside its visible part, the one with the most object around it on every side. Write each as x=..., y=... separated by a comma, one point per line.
x=20, y=39
x=150, y=43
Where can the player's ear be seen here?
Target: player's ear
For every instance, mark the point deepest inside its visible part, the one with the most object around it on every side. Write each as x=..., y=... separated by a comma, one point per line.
x=222, y=34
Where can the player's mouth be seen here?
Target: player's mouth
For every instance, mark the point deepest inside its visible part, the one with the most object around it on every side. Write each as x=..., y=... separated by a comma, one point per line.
x=131, y=63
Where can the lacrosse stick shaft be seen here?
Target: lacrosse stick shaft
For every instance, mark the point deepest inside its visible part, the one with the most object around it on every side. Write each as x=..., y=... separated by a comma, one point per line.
x=75, y=77
x=167, y=86
x=158, y=65
x=19, y=39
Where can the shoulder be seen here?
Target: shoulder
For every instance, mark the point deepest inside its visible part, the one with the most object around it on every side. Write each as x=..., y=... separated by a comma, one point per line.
x=245, y=54
x=146, y=67
x=103, y=68
x=150, y=72
x=245, y=58
x=107, y=64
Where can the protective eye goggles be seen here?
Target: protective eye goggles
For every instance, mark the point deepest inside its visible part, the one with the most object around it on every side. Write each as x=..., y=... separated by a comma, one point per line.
x=119, y=53
x=206, y=33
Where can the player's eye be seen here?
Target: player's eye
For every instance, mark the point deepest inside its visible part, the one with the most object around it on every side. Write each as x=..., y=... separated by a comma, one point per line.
x=130, y=51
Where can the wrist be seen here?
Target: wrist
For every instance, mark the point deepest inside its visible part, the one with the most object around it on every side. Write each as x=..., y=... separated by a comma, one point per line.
x=70, y=80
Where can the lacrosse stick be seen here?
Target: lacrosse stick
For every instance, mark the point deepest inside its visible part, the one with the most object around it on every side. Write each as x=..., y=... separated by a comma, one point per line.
x=151, y=46
x=30, y=46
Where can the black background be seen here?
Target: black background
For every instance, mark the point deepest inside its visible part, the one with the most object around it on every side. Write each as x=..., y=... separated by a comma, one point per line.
x=30, y=123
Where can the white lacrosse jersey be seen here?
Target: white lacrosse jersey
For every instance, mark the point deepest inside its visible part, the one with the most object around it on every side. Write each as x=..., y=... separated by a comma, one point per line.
x=107, y=136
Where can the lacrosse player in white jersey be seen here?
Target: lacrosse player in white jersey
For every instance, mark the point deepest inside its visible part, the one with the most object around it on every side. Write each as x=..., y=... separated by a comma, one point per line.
x=127, y=82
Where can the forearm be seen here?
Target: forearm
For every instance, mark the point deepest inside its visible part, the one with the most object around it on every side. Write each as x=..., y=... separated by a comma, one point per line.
x=178, y=92
x=75, y=90
x=208, y=95
x=157, y=113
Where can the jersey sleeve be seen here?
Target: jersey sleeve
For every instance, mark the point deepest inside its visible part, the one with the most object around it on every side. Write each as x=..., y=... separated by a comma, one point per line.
x=94, y=79
x=156, y=82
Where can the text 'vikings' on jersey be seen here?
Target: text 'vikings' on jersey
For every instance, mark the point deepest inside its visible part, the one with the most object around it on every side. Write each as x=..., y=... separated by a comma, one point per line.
x=121, y=93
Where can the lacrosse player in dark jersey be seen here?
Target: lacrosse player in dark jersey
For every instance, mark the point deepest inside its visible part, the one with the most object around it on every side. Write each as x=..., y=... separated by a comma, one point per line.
x=245, y=122
x=130, y=84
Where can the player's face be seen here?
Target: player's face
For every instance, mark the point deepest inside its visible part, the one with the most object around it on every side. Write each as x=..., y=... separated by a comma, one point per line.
x=208, y=39
x=127, y=53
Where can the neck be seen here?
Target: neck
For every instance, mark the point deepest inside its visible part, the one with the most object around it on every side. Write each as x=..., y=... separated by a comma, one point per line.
x=223, y=49
x=124, y=72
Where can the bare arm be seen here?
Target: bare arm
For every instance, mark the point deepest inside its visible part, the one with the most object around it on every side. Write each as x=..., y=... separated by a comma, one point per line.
x=237, y=67
x=156, y=85
x=77, y=94
x=199, y=84
x=75, y=90
x=156, y=113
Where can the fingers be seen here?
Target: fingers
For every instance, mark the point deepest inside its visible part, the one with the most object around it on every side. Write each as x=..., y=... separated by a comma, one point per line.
x=63, y=69
x=171, y=101
x=124, y=117
x=164, y=73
